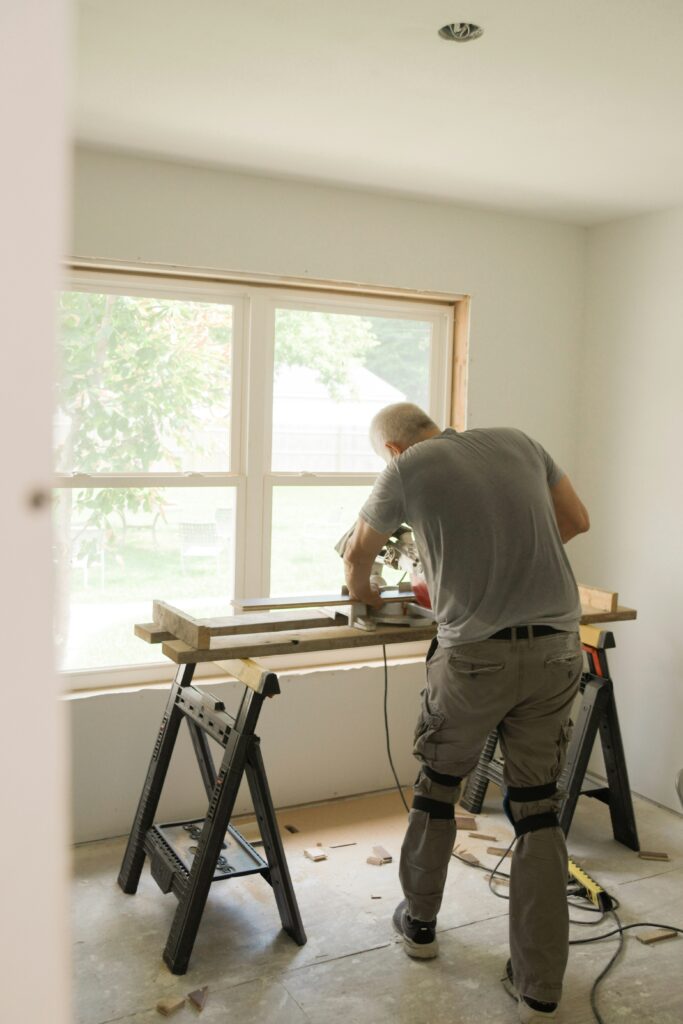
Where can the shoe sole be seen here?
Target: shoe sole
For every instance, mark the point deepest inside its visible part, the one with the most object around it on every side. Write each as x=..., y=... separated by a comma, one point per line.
x=426, y=951
x=526, y=1014
x=416, y=950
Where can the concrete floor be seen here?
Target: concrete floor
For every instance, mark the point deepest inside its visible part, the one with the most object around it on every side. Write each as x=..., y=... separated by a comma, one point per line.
x=353, y=969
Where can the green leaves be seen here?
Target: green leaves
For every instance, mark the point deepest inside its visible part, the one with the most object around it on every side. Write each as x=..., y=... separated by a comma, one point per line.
x=140, y=379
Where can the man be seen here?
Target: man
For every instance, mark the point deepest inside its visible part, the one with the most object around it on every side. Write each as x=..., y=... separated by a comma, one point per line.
x=490, y=512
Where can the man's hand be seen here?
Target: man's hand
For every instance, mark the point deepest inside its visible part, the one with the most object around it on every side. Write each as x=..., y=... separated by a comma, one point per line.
x=359, y=557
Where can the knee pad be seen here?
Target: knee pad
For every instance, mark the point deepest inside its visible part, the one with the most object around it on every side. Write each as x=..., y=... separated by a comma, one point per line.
x=434, y=808
x=443, y=780
x=529, y=794
x=442, y=809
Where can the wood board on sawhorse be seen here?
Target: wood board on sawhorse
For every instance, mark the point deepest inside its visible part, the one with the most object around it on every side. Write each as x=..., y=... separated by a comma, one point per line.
x=597, y=713
x=232, y=642
x=221, y=851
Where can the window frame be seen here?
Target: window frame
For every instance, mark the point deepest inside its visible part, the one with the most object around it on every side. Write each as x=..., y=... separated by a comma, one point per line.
x=250, y=470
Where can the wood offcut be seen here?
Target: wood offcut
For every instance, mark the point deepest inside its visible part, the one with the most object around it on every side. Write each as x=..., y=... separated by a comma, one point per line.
x=198, y=998
x=658, y=935
x=167, y=1007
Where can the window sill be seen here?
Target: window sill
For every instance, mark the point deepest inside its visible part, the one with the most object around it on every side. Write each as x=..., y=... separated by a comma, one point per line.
x=157, y=676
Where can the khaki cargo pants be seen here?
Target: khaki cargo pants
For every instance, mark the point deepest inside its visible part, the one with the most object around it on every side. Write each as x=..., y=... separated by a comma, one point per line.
x=525, y=687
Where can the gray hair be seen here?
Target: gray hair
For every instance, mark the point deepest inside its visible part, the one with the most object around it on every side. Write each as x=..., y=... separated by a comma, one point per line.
x=402, y=423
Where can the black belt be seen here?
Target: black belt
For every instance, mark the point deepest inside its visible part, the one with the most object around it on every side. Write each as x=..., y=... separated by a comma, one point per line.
x=522, y=632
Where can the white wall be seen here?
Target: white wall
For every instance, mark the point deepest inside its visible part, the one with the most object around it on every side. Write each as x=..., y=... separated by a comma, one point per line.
x=322, y=737
x=526, y=281
x=34, y=944
x=525, y=276
x=630, y=477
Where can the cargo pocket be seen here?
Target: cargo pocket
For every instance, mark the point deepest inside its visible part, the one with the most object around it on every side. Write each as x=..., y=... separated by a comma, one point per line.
x=474, y=667
x=568, y=661
x=428, y=724
x=563, y=740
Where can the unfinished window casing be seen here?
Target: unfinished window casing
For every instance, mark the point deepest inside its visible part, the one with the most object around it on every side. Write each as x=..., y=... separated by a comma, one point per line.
x=211, y=442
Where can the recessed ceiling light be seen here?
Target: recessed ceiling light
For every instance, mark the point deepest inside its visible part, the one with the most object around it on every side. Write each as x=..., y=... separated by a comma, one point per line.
x=460, y=32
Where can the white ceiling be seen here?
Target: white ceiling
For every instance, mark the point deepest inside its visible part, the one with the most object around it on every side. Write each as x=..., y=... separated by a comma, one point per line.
x=569, y=109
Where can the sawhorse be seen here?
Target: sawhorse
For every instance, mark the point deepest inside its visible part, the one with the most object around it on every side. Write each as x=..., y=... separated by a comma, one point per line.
x=221, y=852
x=598, y=711
x=279, y=626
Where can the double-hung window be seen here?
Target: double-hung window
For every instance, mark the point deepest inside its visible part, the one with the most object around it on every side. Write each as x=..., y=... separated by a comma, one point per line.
x=212, y=441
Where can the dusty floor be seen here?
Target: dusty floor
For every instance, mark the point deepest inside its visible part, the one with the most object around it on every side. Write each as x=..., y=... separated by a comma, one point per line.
x=353, y=970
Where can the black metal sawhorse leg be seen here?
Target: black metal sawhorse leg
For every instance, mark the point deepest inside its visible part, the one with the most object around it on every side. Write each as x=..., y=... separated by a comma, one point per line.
x=598, y=712
x=190, y=883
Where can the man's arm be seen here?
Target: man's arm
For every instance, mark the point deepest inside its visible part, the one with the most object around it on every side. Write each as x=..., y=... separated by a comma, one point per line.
x=359, y=555
x=570, y=512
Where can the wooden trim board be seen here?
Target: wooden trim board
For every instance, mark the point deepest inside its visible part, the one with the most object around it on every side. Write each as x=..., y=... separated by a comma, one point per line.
x=312, y=601
x=603, y=600
x=331, y=638
x=621, y=614
x=268, y=622
x=184, y=626
x=253, y=675
x=461, y=329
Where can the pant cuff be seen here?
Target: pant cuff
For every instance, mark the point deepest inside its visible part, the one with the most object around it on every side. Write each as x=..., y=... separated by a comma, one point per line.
x=543, y=993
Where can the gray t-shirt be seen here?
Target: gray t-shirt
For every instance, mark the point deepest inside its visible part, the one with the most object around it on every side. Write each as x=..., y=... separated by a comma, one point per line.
x=480, y=507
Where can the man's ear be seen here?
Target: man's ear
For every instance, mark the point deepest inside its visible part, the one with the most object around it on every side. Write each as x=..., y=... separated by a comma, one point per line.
x=394, y=449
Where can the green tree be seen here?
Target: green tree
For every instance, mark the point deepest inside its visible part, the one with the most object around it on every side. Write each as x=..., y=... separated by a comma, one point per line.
x=328, y=343
x=136, y=374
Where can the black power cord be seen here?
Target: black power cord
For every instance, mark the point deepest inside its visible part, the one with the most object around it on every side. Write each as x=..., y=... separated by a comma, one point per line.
x=386, y=728
x=495, y=873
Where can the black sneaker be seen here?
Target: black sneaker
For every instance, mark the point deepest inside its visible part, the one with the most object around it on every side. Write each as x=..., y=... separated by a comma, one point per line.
x=419, y=937
x=530, y=1010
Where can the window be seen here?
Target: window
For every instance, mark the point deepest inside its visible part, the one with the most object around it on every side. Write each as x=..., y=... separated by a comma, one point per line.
x=211, y=440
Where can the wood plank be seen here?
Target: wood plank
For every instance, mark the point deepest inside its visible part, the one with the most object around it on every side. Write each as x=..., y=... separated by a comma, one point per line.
x=306, y=636
x=602, y=600
x=236, y=625
x=331, y=638
x=151, y=633
x=266, y=622
x=183, y=626
x=312, y=600
x=461, y=327
x=588, y=613
x=622, y=614
x=248, y=672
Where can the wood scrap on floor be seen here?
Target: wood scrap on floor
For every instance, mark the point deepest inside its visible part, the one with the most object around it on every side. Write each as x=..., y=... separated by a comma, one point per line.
x=465, y=855
x=482, y=835
x=315, y=853
x=463, y=822
x=657, y=935
x=499, y=851
x=497, y=878
x=198, y=998
x=291, y=828
x=653, y=855
x=379, y=856
x=170, y=1005
x=341, y=846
